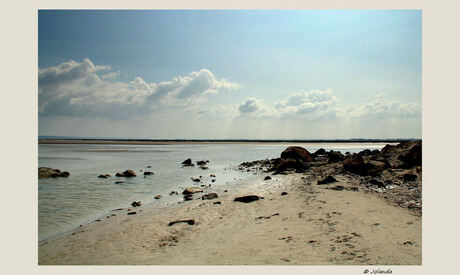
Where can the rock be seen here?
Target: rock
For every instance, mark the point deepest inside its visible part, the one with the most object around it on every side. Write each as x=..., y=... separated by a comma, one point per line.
x=212, y=176
x=319, y=152
x=201, y=162
x=136, y=203
x=157, y=197
x=355, y=165
x=284, y=193
x=225, y=191
x=191, y=190
x=267, y=178
x=209, y=196
x=247, y=199
x=104, y=176
x=213, y=180
x=377, y=183
x=173, y=193
x=188, y=197
x=337, y=188
x=365, y=152
x=284, y=164
x=327, y=180
x=147, y=173
x=413, y=157
x=46, y=172
x=196, y=179
x=375, y=167
x=297, y=153
x=148, y=166
x=132, y=213
x=204, y=167
x=119, y=182
x=217, y=202
x=128, y=173
x=408, y=176
x=187, y=162
x=190, y=222
x=335, y=156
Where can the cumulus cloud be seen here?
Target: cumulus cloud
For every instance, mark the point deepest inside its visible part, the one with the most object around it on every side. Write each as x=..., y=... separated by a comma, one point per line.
x=75, y=89
x=318, y=105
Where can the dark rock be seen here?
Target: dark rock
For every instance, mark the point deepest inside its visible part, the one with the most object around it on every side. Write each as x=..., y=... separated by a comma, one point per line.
x=213, y=180
x=190, y=222
x=136, y=203
x=284, y=164
x=157, y=197
x=284, y=193
x=212, y=176
x=209, y=196
x=174, y=193
x=217, y=202
x=147, y=173
x=335, y=156
x=119, y=182
x=187, y=162
x=204, y=167
x=408, y=176
x=413, y=157
x=337, y=188
x=366, y=152
x=355, y=164
x=328, y=179
x=132, y=213
x=297, y=153
x=104, y=176
x=267, y=178
x=375, y=167
x=191, y=190
x=201, y=162
x=377, y=183
x=247, y=199
x=46, y=172
x=196, y=179
x=127, y=173
x=319, y=152
x=148, y=166
x=188, y=197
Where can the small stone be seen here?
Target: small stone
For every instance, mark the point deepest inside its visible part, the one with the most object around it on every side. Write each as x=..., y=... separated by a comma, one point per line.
x=174, y=193
x=148, y=173
x=209, y=196
x=157, y=197
x=267, y=178
x=132, y=213
x=284, y=193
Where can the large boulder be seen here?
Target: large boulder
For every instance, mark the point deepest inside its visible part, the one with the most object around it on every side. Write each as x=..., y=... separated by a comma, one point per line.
x=375, y=167
x=412, y=157
x=335, y=156
x=46, y=172
x=355, y=164
x=319, y=152
x=297, y=153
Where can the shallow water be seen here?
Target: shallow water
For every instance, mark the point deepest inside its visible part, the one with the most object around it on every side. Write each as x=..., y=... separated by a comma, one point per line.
x=65, y=203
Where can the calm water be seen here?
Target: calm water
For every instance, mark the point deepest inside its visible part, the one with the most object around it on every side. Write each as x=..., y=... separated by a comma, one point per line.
x=65, y=203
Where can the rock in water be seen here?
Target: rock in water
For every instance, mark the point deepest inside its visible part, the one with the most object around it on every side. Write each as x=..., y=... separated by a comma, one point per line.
x=209, y=196
x=104, y=176
x=147, y=173
x=201, y=162
x=247, y=199
x=136, y=203
x=129, y=173
x=46, y=172
x=328, y=179
x=157, y=197
x=191, y=190
x=297, y=153
x=196, y=179
x=187, y=162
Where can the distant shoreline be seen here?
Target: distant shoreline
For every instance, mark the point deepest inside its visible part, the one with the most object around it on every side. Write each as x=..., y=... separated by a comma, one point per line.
x=206, y=141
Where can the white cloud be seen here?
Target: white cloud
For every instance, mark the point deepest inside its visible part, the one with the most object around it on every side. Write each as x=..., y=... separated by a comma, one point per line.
x=75, y=89
x=382, y=108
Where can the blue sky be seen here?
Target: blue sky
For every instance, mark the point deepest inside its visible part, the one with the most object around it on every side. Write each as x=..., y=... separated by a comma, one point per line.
x=244, y=74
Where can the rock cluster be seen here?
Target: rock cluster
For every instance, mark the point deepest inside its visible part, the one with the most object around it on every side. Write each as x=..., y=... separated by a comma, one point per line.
x=46, y=172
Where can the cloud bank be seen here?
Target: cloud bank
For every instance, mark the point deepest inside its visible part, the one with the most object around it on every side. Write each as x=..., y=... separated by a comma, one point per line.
x=76, y=89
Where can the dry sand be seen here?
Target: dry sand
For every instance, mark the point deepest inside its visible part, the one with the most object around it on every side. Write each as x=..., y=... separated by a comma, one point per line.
x=311, y=225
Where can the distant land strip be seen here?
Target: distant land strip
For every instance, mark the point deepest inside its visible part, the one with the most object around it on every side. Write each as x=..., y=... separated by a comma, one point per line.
x=206, y=141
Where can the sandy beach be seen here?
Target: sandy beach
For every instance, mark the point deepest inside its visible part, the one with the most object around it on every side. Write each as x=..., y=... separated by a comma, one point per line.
x=310, y=225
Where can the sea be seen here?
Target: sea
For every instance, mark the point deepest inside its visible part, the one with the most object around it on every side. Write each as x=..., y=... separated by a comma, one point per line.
x=66, y=203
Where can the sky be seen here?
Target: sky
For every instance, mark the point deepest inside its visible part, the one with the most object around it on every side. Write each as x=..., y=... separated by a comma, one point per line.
x=230, y=74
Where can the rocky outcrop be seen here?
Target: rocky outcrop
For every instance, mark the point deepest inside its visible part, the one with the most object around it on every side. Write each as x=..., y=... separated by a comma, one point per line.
x=335, y=156
x=46, y=172
x=297, y=153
